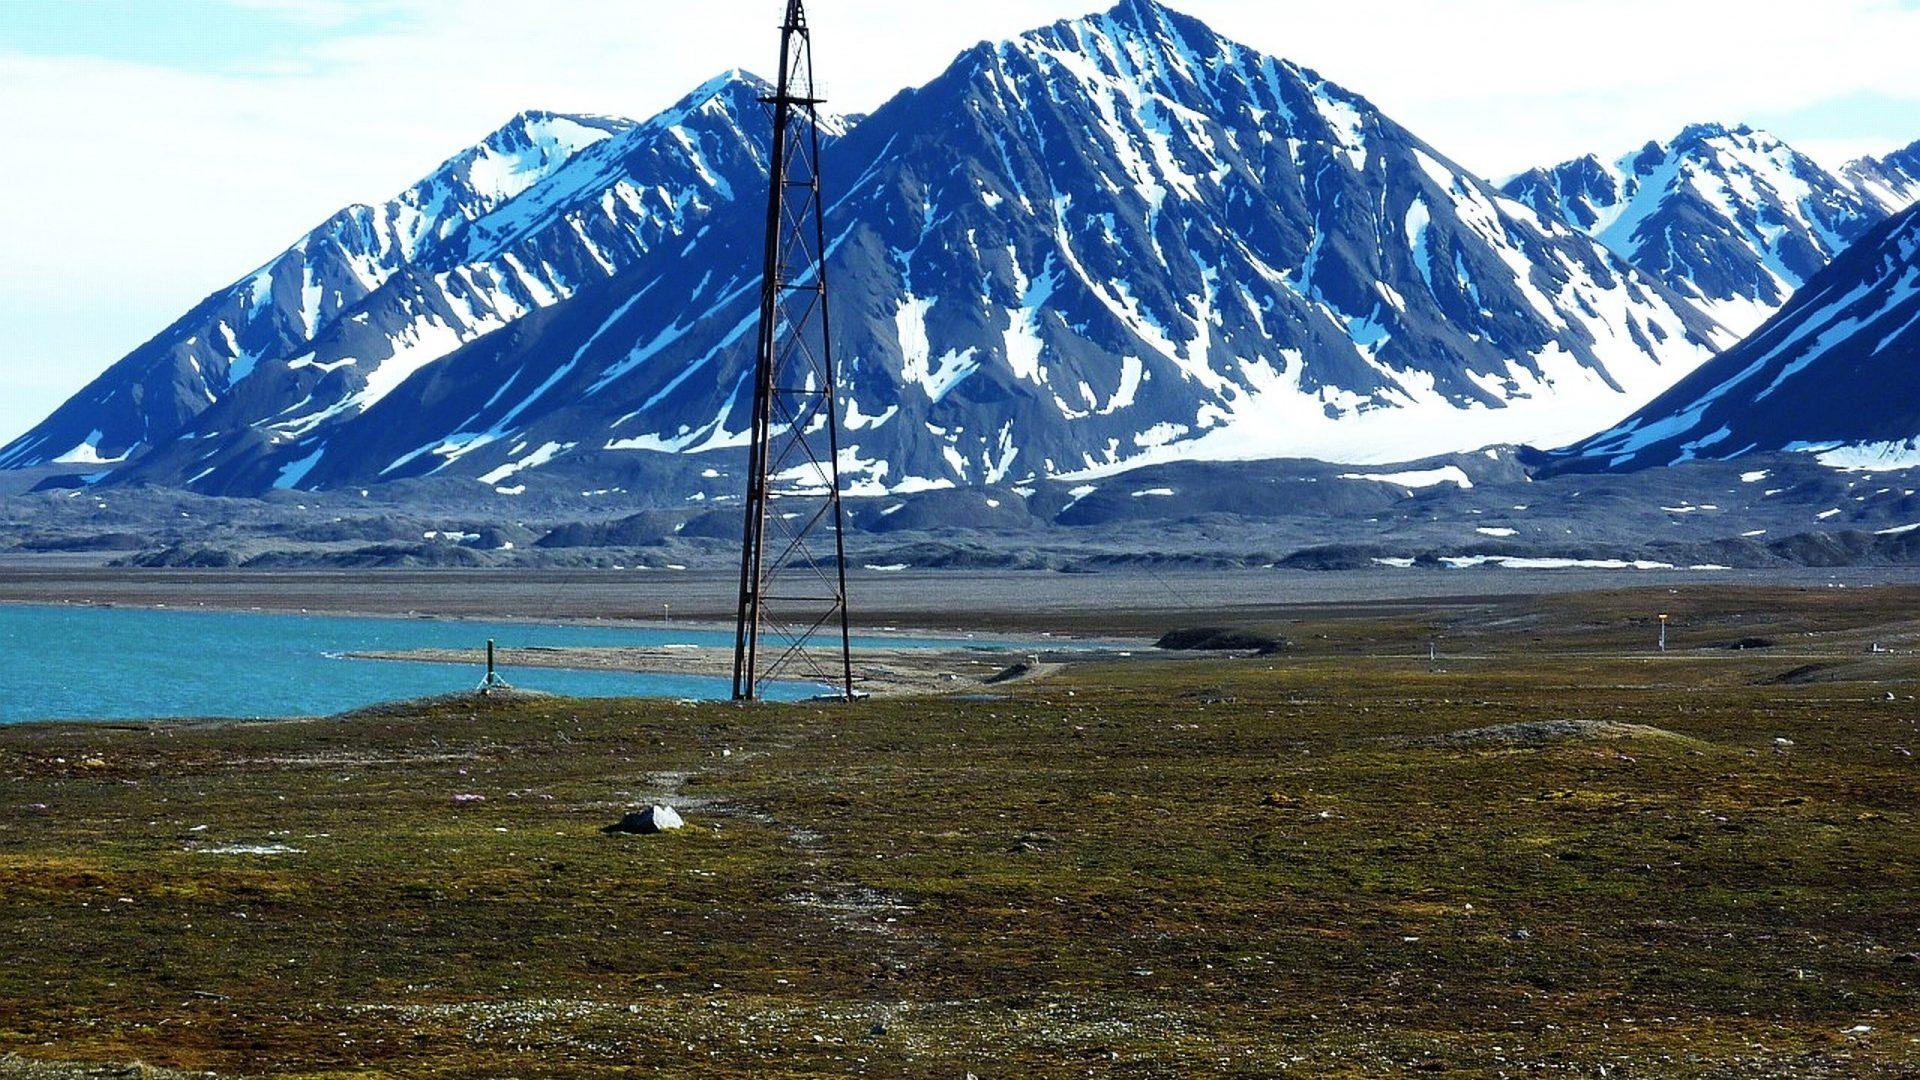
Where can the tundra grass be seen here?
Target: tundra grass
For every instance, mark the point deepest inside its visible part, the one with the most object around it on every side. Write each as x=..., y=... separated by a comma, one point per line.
x=1347, y=860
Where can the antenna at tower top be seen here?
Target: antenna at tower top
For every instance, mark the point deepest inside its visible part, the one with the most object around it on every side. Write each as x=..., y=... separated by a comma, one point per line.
x=793, y=578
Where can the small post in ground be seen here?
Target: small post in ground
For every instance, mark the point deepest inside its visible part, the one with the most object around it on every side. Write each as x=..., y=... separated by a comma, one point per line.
x=493, y=681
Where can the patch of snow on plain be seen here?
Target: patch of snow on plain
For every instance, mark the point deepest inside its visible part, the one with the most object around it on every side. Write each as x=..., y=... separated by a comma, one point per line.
x=250, y=849
x=1864, y=457
x=1418, y=478
x=1513, y=562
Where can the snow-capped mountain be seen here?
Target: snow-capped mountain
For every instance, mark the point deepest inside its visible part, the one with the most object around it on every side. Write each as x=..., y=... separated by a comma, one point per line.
x=276, y=312
x=1892, y=181
x=1832, y=373
x=542, y=206
x=1732, y=218
x=1111, y=241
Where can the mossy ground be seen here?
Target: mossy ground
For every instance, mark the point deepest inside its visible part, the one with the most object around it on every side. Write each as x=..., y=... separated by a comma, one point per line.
x=1162, y=868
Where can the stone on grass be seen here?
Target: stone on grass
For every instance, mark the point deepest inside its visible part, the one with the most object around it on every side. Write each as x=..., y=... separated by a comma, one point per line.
x=653, y=819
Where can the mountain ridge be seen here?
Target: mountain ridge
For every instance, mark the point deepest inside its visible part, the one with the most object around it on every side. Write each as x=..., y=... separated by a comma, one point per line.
x=1108, y=241
x=1732, y=218
x=1830, y=374
x=283, y=304
x=1893, y=180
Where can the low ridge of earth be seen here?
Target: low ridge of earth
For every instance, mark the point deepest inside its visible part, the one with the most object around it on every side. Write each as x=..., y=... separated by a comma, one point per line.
x=1499, y=836
x=1481, y=512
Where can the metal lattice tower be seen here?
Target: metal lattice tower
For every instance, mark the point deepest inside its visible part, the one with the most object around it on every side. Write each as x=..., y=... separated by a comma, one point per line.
x=793, y=576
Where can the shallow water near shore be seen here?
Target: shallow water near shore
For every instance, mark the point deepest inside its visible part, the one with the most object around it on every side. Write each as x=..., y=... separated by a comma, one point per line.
x=121, y=663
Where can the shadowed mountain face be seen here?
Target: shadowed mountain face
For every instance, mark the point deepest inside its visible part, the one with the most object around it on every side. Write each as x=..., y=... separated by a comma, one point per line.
x=1111, y=241
x=1733, y=219
x=1833, y=373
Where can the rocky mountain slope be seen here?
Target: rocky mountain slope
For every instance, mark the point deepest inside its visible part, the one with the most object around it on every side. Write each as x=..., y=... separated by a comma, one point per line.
x=1832, y=373
x=1892, y=181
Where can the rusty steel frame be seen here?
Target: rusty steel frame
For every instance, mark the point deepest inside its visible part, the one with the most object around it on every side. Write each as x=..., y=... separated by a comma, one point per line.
x=793, y=481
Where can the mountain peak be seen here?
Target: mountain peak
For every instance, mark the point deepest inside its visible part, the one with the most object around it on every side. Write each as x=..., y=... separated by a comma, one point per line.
x=1699, y=137
x=1142, y=13
x=1147, y=21
x=1729, y=215
x=1705, y=131
x=732, y=91
x=729, y=79
x=531, y=123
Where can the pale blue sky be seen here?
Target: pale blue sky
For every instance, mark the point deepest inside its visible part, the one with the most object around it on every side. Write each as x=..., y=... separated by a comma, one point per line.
x=199, y=35
x=159, y=149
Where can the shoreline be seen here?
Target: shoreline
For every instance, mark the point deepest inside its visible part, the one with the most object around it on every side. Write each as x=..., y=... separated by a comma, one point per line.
x=882, y=673
x=960, y=639
x=704, y=600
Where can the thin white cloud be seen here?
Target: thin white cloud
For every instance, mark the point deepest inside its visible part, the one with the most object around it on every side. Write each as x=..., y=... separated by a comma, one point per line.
x=144, y=188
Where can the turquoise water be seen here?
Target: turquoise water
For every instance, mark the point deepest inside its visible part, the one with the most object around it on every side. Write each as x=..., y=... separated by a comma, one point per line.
x=112, y=663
